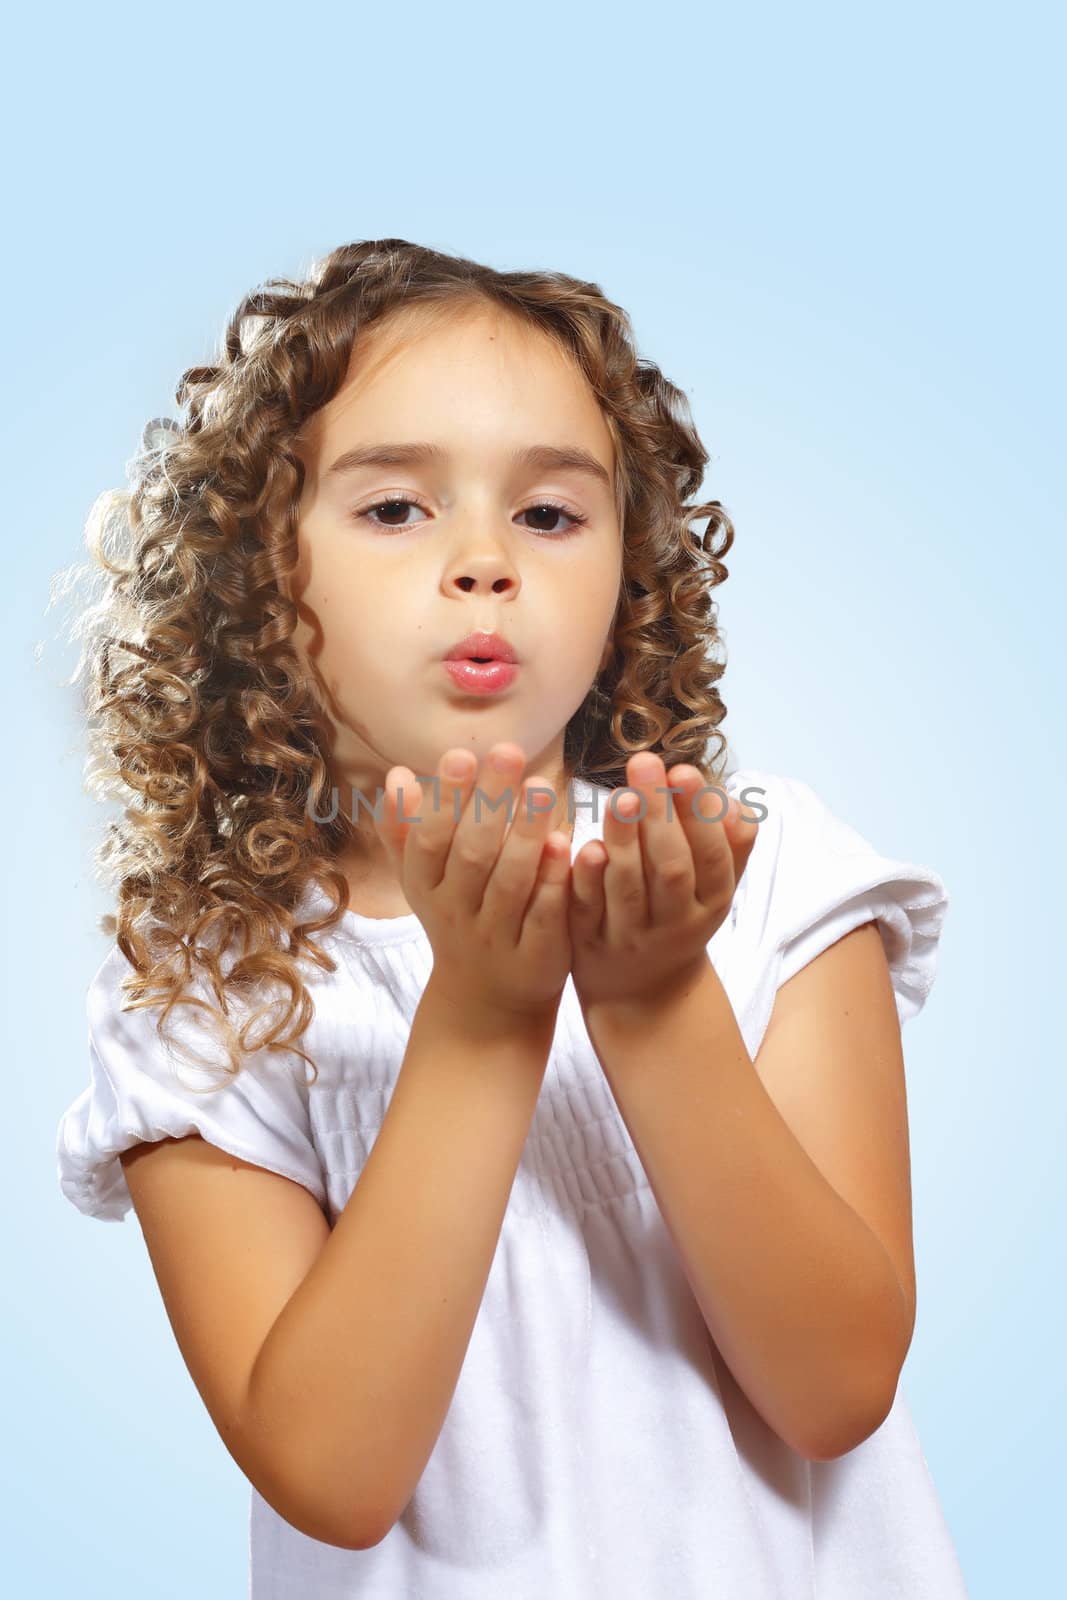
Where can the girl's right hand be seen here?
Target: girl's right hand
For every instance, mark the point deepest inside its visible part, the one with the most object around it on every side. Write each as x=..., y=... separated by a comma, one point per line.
x=495, y=908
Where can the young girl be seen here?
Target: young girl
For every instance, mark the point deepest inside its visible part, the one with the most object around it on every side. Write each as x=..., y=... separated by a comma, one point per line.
x=524, y=1165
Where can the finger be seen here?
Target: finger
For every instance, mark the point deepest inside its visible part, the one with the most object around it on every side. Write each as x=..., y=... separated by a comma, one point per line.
x=402, y=814
x=625, y=896
x=701, y=811
x=742, y=831
x=427, y=846
x=667, y=858
x=395, y=818
x=513, y=876
x=586, y=915
x=545, y=915
x=478, y=837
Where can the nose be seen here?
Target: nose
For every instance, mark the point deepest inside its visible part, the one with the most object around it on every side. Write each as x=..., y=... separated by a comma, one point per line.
x=489, y=570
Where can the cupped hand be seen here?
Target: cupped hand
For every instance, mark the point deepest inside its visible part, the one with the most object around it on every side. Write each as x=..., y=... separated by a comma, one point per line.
x=487, y=879
x=645, y=902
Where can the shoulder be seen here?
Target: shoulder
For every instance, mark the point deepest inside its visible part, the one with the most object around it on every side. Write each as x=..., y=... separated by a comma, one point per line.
x=812, y=876
x=144, y=1086
x=793, y=827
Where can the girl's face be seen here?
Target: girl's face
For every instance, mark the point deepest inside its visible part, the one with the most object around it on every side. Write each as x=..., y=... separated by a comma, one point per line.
x=384, y=590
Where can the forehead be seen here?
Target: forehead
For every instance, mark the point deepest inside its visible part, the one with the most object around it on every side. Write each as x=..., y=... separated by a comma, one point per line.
x=470, y=332
x=469, y=371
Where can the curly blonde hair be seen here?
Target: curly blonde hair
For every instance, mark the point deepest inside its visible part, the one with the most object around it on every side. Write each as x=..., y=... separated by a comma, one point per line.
x=203, y=720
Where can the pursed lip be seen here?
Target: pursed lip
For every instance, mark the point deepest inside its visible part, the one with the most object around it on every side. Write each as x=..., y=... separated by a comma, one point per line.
x=490, y=646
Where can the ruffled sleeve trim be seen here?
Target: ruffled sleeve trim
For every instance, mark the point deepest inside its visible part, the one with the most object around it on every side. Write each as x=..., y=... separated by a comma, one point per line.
x=811, y=878
x=135, y=1095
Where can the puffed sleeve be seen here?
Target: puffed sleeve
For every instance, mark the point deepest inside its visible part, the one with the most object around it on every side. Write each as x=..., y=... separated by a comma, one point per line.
x=139, y=1090
x=811, y=878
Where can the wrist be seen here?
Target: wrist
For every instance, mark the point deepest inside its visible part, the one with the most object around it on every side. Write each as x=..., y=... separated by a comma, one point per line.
x=488, y=1022
x=624, y=1012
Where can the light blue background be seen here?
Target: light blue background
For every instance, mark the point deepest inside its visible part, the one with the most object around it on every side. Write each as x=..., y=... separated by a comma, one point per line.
x=835, y=228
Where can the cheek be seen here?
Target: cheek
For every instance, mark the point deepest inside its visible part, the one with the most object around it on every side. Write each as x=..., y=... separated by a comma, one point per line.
x=600, y=588
x=346, y=603
x=371, y=637
x=592, y=606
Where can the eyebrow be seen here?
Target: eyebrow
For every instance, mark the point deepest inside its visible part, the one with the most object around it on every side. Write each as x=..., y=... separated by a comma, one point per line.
x=539, y=457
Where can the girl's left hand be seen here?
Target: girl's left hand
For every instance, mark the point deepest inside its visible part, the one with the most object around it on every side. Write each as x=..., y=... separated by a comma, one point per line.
x=645, y=901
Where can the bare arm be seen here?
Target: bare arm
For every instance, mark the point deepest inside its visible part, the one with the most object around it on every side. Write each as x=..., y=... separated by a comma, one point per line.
x=785, y=1188
x=358, y=1371
x=328, y=1360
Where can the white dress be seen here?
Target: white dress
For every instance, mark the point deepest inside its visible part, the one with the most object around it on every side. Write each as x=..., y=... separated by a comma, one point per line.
x=596, y=1443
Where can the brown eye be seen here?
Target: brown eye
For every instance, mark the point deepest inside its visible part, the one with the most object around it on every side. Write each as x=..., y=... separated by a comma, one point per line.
x=396, y=502
x=399, y=504
x=556, y=510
